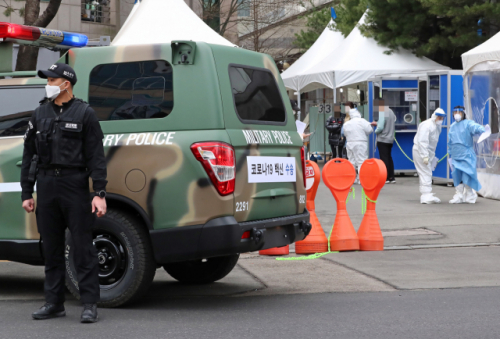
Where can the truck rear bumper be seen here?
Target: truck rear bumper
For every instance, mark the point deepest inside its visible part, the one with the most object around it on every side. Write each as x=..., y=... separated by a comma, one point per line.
x=24, y=251
x=223, y=236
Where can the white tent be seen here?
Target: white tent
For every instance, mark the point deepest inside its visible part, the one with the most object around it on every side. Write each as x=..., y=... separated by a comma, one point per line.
x=327, y=42
x=161, y=21
x=482, y=99
x=482, y=55
x=130, y=15
x=358, y=58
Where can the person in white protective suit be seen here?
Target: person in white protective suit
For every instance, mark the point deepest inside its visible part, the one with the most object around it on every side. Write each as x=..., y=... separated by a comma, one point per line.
x=424, y=150
x=356, y=132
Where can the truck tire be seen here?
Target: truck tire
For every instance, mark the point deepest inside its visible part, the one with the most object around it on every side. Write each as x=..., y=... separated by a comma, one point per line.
x=126, y=262
x=203, y=271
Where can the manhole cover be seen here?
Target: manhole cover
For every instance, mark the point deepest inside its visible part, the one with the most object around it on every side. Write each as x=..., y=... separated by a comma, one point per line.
x=409, y=232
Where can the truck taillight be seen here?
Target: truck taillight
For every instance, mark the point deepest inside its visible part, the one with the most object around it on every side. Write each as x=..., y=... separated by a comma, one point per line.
x=303, y=158
x=218, y=160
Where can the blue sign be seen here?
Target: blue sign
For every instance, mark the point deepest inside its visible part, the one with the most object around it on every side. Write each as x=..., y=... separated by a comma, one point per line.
x=334, y=15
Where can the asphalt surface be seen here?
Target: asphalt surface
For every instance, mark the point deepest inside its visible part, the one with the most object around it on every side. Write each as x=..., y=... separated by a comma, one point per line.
x=455, y=313
x=438, y=277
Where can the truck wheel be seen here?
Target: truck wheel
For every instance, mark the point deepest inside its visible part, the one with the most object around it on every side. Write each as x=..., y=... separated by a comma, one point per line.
x=126, y=262
x=203, y=271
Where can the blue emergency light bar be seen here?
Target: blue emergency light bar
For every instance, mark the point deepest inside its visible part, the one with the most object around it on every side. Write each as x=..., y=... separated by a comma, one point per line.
x=41, y=37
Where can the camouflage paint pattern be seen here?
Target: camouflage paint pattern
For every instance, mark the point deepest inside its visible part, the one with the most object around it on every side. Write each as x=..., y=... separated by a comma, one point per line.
x=150, y=162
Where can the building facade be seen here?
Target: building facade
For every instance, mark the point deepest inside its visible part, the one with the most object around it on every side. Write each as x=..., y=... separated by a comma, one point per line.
x=93, y=18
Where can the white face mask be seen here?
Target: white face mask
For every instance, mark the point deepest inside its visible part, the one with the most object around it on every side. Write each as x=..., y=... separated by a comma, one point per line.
x=439, y=122
x=53, y=91
x=458, y=117
x=347, y=109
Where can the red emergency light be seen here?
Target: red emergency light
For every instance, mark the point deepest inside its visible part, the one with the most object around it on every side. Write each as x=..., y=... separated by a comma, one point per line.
x=41, y=37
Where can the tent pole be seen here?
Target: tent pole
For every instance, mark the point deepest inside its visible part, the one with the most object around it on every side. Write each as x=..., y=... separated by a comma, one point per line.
x=298, y=104
x=334, y=91
x=334, y=102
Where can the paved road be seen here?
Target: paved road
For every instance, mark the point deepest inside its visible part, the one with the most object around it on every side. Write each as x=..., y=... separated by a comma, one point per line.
x=462, y=313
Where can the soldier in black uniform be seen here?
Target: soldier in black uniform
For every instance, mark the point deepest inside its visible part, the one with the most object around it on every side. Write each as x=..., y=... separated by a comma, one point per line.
x=62, y=148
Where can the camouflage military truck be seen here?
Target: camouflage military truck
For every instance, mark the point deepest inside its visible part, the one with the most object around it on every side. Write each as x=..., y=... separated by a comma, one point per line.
x=204, y=163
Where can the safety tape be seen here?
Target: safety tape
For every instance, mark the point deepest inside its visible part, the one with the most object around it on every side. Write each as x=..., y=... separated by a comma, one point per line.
x=364, y=201
x=319, y=255
x=397, y=143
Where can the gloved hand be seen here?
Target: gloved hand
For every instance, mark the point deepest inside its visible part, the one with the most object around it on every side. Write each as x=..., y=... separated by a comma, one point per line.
x=485, y=135
x=426, y=161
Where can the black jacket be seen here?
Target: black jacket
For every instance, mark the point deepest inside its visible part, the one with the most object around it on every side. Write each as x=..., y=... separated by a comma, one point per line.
x=334, y=127
x=66, y=136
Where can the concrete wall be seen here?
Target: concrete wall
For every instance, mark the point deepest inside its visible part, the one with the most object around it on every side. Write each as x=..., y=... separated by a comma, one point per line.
x=69, y=17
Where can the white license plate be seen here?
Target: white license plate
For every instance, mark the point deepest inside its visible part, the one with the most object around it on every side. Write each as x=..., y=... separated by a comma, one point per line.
x=271, y=169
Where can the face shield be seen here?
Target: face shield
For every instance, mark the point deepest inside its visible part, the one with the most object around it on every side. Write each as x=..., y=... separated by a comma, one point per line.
x=459, y=113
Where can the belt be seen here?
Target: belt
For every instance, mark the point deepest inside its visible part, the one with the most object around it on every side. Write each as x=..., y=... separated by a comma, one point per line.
x=58, y=172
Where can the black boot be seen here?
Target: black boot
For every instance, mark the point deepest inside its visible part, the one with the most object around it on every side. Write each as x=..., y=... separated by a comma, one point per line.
x=48, y=311
x=89, y=313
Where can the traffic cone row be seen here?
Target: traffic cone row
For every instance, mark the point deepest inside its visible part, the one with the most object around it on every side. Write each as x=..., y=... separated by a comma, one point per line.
x=339, y=176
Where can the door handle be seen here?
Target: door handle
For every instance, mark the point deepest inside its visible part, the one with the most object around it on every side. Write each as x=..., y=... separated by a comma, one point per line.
x=19, y=163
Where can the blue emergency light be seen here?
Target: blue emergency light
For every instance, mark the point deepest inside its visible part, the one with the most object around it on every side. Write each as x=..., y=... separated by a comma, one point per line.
x=74, y=40
x=41, y=37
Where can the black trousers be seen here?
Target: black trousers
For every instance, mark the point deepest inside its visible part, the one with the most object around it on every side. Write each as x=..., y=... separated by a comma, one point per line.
x=335, y=148
x=385, y=151
x=65, y=202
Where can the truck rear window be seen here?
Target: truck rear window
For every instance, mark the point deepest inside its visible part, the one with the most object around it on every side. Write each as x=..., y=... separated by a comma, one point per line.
x=256, y=95
x=132, y=90
x=18, y=104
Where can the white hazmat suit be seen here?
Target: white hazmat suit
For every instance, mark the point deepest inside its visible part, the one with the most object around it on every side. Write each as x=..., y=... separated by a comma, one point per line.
x=424, y=150
x=356, y=132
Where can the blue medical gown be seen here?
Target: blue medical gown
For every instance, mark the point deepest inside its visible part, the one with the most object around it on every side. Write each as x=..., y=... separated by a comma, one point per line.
x=461, y=151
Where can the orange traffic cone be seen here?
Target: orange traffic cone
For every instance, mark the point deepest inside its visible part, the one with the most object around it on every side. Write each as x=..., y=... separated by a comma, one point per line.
x=339, y=175
x=372, y=176
x=284, y=250
x=316, y=241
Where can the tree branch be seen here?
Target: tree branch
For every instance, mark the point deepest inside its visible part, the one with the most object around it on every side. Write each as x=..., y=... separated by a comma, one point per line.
x=49, y=14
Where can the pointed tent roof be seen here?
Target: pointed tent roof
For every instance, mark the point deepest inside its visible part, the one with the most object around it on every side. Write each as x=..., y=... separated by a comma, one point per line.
x=161, y=21
x=327, y=42
x=131, y=14
x=487, y=51
x=359, y=58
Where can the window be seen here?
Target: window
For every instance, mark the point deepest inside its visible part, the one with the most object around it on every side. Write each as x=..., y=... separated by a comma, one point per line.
x=433, y=93
x=18, y=105
x=256, y=95
x=406, y=111
x=243, y=8
x=96, y=11
x=132, y=90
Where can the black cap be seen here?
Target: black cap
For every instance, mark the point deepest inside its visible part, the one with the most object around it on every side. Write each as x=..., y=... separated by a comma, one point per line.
x=59, y=71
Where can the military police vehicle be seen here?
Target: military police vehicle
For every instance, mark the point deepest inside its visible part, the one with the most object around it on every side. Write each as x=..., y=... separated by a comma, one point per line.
x=204, y=160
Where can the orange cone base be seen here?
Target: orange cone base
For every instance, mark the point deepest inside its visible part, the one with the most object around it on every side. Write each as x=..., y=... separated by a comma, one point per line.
x=371, y=245
x=276, y=251
x=344, y=237
x=369, y=233
x=312, y=246
x=344, y=245
x=316, y=241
